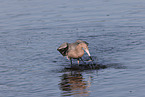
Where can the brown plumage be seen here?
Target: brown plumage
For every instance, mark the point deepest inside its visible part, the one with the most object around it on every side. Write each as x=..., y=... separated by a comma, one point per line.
x=74, y=50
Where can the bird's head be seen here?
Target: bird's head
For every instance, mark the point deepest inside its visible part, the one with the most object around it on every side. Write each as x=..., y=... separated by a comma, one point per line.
x=85, y=47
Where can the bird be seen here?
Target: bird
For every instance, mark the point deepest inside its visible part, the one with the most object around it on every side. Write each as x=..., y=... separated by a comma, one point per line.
x=74, y=50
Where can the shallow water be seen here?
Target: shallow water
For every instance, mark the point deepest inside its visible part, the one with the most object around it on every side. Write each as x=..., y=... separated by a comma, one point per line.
x=32, y=30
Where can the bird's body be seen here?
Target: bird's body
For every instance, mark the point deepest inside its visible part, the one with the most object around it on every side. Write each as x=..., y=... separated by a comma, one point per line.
x=74, y=50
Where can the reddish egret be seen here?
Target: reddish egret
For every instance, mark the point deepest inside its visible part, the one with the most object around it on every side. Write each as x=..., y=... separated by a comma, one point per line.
x=74, y=50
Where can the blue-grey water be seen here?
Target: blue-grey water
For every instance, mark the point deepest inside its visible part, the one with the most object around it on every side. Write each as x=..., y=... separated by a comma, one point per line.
x=32, y=30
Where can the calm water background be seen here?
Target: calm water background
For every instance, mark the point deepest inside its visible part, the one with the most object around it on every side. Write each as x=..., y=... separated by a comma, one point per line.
x=31, y=31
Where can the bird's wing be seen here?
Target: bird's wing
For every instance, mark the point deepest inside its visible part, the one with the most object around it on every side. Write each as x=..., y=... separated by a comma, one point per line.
x=80, y=41
x=63, y=48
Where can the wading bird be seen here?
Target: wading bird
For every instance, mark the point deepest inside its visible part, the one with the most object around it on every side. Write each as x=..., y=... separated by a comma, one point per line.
x=74, y=50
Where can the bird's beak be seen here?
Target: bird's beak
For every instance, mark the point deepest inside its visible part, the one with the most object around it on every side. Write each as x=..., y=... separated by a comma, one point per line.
x=88, y=53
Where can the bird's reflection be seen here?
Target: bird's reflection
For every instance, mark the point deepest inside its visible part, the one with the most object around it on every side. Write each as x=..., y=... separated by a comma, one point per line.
x=73, y=83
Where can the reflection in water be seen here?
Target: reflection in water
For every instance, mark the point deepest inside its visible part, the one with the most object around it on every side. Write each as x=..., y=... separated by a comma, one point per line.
x=73, y=83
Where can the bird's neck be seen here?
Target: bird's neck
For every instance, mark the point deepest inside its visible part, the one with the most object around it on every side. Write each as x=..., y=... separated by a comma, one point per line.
x=79, y=49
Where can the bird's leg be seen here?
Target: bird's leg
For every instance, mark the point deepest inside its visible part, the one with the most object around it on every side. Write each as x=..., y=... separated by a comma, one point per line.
x=71, y=61
x=82, y=60
x=67, y=57
x=78, y=61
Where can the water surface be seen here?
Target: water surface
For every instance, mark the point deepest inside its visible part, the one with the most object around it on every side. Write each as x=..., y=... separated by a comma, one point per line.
x=32, y=30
